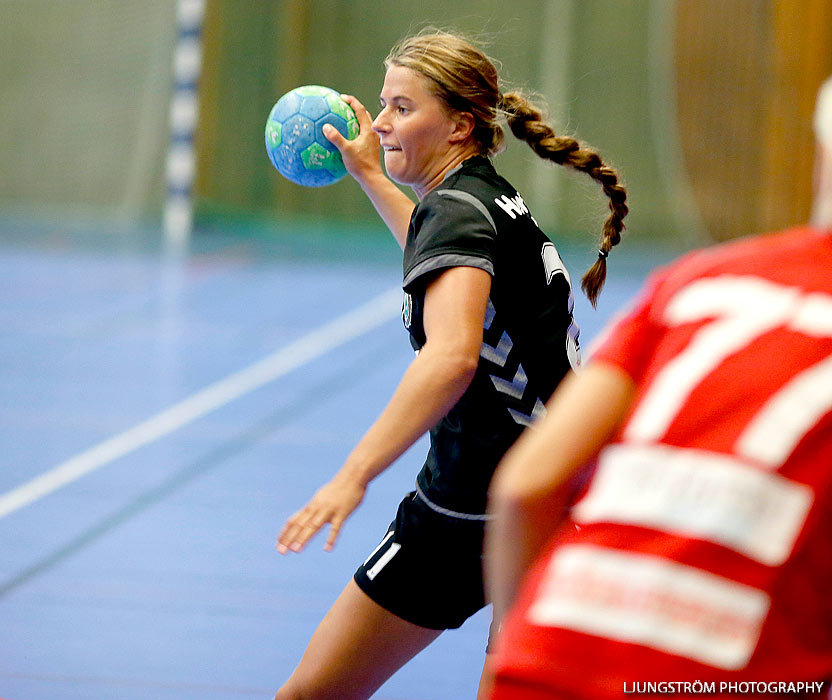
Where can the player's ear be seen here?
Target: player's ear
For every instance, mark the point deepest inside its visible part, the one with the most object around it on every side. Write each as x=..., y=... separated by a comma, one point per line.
x=463, y=126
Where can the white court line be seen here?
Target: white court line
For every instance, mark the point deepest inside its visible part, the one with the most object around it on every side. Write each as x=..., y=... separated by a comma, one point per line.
x=337, y=332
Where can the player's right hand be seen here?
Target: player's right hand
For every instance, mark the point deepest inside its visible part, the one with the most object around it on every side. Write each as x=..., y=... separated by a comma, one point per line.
x=361, y=155
x=333, y=503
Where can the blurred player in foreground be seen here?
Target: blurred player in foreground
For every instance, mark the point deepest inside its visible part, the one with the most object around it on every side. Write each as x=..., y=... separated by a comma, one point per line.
x=488, y=306
x=703, y=552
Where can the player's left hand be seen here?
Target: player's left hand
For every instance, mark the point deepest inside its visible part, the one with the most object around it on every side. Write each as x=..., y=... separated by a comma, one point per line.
x=332, y=503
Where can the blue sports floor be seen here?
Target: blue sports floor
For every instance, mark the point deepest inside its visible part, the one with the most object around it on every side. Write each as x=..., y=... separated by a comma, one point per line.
x=142, y=567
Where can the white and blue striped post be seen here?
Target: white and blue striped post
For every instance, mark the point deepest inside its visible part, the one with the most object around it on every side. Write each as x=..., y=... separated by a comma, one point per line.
x=184, y=111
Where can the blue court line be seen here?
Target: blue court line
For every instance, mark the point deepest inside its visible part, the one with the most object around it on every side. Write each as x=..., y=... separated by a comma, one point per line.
x=344, y=379
x=318, y=342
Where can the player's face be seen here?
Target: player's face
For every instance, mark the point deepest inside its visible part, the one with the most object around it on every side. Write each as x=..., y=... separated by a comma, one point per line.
x=415, y=129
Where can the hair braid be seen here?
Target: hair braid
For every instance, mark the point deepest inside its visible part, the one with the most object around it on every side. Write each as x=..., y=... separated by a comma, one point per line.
x=526, y=123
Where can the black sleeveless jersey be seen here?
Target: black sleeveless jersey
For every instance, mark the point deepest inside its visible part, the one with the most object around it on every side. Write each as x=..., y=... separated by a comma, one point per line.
x=475, y=218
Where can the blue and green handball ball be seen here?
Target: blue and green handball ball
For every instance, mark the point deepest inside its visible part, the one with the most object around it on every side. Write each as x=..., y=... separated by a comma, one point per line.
x=295, y=141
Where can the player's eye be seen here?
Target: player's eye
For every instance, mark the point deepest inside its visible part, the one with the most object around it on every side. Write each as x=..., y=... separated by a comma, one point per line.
x=402, y=110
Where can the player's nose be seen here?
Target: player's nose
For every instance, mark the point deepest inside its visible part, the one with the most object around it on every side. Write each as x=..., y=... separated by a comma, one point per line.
x=381, y=124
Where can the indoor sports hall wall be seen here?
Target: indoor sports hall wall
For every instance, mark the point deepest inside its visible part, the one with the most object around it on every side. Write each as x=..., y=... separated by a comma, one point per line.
x=84, y=93
x=599, y=94
x=704, y=105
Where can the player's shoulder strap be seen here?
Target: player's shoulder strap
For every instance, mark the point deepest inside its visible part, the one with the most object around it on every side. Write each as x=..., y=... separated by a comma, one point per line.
x=468, y=198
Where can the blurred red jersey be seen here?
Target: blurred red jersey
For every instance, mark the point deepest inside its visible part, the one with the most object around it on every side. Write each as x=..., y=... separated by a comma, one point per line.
x=704, y=548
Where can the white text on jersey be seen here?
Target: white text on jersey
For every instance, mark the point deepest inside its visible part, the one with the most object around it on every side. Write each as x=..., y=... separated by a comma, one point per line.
x=513, y=207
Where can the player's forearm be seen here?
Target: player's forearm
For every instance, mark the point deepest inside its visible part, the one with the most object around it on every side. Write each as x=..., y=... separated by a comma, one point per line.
x=529, y=492
x=430, y=387
x=515, y=538
x=393, y=205
x=528, y=499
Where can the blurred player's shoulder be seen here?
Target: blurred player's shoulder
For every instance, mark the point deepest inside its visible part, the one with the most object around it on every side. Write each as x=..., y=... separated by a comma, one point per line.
x=774, y=255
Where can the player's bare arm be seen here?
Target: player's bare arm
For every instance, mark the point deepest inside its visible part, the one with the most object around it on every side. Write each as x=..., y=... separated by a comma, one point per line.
x=455, y=304
x=581, y=415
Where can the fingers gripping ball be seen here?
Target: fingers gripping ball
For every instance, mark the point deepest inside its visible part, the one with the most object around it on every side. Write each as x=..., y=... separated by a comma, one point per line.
x=295, y=141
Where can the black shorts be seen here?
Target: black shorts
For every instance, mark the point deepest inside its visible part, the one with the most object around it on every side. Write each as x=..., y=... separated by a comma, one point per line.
x=428, y=568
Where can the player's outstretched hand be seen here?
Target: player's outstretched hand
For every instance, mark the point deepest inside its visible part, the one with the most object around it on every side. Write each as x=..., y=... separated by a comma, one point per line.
x=361, y=155
x=333, y=503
